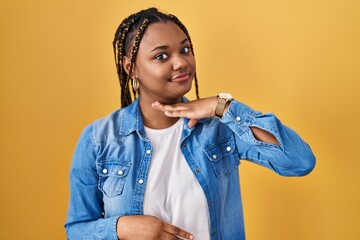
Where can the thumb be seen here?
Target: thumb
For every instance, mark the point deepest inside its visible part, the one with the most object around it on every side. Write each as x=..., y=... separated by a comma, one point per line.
x=192, y=122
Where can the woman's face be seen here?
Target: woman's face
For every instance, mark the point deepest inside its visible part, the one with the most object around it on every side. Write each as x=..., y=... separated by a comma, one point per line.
x=165, y=65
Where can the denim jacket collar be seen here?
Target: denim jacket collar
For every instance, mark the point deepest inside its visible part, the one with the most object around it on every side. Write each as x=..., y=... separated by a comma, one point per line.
x=131, y=120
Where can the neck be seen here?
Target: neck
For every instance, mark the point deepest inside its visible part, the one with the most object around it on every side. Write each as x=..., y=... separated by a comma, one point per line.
x=153, y=118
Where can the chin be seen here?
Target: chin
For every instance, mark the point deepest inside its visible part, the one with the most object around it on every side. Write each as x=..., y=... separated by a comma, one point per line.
x=175, y=96
x=186, y=90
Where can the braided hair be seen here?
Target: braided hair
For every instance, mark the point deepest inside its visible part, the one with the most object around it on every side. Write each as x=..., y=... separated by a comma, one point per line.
x=126, y=43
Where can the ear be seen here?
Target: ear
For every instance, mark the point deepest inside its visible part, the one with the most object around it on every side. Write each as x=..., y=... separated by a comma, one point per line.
x=126, y=64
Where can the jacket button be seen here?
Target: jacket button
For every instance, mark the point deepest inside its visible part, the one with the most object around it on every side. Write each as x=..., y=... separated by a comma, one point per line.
x=120, y=172
x=213, y=234
x=228, y=149
x=197, y=170
x=105, y=170
x=214, y=156
x=141, y=181
x=238, y=119
x=211, y=203
x=148, y=152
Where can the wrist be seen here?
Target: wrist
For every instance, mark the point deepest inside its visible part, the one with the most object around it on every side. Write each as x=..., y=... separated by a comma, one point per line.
x=223, y=102
x=227, y=105
x=120, y=229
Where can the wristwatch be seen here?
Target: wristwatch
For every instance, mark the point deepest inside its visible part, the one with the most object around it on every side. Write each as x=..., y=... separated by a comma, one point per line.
x=223, y=99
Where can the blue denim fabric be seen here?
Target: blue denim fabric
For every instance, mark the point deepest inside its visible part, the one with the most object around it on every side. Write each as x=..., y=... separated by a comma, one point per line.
x=111, y=164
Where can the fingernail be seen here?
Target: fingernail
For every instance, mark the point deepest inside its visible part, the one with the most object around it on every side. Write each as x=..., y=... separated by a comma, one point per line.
x=191, y=237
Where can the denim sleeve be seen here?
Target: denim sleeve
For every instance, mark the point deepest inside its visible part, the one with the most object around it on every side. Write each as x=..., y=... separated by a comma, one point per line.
x=292, y=158
x=85, y=219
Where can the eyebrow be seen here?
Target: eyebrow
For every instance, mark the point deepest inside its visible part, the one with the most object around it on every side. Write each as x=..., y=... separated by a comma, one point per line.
x=166, y=47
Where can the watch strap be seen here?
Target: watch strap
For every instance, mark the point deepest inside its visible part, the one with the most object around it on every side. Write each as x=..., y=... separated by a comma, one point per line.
x=220, y=107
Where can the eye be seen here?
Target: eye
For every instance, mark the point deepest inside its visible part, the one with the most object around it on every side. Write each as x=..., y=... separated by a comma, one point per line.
x=161, y=56
x=185, y=50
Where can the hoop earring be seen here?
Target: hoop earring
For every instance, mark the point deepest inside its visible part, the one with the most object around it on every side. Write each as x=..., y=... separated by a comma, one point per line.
x=135, y=83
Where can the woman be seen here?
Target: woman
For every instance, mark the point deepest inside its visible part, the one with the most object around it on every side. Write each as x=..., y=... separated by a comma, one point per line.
x=162, y=167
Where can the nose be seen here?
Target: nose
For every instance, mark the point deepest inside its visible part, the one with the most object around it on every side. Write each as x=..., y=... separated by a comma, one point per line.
x=179, y=62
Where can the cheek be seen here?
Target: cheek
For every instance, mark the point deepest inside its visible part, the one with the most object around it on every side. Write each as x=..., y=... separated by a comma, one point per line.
x=192, y=61
x=153, y=73
x=156, y=73
x=161, y=69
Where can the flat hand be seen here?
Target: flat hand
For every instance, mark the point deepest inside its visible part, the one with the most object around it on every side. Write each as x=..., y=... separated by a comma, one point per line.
x=142, y=227
x=194, y=110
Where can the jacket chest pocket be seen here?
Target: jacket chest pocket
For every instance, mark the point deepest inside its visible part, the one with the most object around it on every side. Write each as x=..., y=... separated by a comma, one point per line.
x=223, y=157
x=112, y=176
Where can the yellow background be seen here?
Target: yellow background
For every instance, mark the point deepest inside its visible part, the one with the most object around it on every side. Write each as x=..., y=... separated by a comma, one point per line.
x=299, y=59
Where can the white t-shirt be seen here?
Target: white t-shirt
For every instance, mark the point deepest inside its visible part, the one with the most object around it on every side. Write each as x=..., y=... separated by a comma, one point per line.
x=173, y=194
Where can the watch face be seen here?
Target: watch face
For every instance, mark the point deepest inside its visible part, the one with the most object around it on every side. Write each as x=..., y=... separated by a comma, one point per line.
x=227, y=96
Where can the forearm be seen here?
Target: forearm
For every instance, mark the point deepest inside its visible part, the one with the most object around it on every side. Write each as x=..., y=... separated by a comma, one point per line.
x=104, y=228
x=259, y=134
x=262, y=138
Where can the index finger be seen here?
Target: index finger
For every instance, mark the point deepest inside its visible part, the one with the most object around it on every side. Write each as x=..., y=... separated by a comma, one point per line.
x=168, y=107
x=178, y=232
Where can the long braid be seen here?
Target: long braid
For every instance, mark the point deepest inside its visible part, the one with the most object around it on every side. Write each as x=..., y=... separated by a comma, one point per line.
x=135, y=49
x=130, y=32
x=119, y=53
x=125, y=93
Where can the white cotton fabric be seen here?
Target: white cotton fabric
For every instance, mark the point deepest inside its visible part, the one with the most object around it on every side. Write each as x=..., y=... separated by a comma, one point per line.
x=173, y=194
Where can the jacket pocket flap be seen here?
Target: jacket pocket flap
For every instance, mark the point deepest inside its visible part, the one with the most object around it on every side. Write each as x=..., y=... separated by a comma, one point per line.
x=112, y=168
x=220, y=149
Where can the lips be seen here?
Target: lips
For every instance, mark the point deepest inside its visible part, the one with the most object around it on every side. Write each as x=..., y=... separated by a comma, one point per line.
x=181, y=77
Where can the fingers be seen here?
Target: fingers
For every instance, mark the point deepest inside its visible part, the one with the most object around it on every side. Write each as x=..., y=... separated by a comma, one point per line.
x=176, y=232
x=172, y=107
x=175, y=110
x=139, y=227
x=196, y=109
x=176, y=113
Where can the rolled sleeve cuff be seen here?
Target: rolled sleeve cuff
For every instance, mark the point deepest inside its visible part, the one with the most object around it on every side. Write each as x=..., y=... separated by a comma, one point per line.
x=108, y=228
x=240, y=118
x=239, y=114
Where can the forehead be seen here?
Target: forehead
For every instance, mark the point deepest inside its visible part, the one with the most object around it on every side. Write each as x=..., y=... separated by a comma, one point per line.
x=162, y=33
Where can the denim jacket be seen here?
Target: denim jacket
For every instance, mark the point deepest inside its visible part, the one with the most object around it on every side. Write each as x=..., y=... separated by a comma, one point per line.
x=111, y=164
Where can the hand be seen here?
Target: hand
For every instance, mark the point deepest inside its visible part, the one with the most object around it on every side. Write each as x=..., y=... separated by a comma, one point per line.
x=142, y=227
x=195, y=110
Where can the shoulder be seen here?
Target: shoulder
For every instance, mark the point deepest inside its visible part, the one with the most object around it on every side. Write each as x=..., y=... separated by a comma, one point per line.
x=108, y=127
